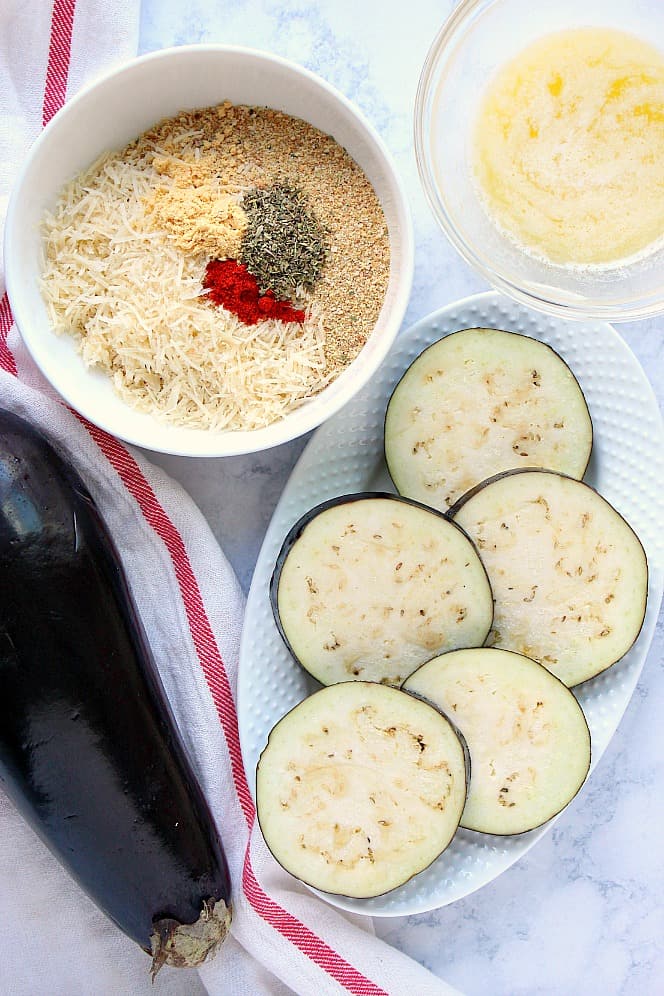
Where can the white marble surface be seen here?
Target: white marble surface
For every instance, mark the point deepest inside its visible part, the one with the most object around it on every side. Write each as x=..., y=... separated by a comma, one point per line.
x=582, y=913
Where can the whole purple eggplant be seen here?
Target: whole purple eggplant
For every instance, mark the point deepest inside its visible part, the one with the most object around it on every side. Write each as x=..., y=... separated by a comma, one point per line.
x=89, y=749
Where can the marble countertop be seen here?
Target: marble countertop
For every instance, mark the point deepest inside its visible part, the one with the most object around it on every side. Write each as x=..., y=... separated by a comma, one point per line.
x=581, y=912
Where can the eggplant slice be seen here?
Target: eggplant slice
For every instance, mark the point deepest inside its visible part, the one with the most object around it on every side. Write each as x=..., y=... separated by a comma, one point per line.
x=359, y=788
x=370, y=586
x=569, y=575
x=527, y=735
x=479, y=402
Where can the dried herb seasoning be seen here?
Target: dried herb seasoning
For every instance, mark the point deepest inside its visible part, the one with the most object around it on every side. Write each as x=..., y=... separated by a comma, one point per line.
x=284, y=244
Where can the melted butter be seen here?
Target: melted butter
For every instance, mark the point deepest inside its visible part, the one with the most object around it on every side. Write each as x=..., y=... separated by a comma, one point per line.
x=569, y=147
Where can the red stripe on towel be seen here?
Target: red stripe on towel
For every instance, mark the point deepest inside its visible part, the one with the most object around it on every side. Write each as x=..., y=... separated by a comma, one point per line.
x=59, y=52
x=303, y=938
x=6, y=321
x=204, y=641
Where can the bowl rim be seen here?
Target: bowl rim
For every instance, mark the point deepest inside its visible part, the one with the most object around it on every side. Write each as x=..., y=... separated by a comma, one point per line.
x=309, y=415
x=458, y=18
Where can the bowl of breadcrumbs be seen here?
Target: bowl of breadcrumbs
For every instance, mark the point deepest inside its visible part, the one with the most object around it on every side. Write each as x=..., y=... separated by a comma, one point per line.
x=208, y=251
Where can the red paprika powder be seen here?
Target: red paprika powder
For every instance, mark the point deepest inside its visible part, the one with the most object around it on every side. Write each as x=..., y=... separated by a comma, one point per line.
x=231, y=285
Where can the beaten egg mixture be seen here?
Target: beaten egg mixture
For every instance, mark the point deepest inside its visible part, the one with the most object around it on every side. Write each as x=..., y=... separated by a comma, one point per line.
x=569, y=147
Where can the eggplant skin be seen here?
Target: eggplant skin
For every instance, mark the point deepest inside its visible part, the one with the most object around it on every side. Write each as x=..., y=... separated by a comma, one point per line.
x=89, y=749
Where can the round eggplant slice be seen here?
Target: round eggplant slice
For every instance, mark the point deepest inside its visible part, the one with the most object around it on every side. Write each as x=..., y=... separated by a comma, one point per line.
x=479, y=402
x=370, y=586
x=359, y=788
x=527, y=736
x=569, y=575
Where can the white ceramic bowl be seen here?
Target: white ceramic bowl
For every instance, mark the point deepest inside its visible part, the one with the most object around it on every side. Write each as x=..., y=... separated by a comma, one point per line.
x=116, y=109
x=478, y=38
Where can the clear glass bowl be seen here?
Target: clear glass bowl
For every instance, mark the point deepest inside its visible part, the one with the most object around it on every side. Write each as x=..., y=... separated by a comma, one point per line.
x=479, y=37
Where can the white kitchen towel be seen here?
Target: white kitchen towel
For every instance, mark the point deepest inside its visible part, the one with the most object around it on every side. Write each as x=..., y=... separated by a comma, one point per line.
x=53, y=941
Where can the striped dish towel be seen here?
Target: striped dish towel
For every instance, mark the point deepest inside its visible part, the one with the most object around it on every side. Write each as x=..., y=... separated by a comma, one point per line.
x=52, y=938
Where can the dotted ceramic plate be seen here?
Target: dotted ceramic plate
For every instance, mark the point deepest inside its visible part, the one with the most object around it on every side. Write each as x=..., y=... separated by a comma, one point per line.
x=346, y=455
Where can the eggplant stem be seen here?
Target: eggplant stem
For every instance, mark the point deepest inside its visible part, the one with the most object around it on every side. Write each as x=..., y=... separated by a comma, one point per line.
x=187, y=945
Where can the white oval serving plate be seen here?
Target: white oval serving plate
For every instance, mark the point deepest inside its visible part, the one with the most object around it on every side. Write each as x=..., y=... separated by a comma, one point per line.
x=346, y=456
